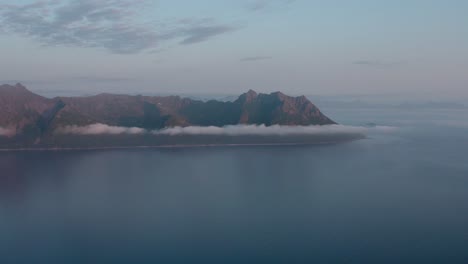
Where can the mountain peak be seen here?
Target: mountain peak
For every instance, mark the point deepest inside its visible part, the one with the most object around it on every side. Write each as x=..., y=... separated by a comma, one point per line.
x=14, y=89
x=251, y=92
x=249, y=96
x=20, y=86
x=279, y=94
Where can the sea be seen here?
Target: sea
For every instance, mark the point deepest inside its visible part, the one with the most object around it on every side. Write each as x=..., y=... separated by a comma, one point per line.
x=398, y=196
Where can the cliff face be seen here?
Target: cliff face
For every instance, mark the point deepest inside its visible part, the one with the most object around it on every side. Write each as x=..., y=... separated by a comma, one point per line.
x=31, y=114
x=278, y=108
x=23, y=111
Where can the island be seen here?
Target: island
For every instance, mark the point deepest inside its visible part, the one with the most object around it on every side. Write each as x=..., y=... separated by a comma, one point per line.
x=31, y=121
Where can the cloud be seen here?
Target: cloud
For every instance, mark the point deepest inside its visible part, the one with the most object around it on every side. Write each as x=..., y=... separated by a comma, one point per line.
x=7, y=132
x=232, y=130
x=450, y=123
x=100, y=129
x=378, y=63
x=102, y=79
x=118, y=26
x=202, y=33
x=256, y=58
x=257, y=5
x=246, y=130
x=384, y=129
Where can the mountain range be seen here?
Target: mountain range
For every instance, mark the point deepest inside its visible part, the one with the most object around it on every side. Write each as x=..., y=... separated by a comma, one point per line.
x=29, y=118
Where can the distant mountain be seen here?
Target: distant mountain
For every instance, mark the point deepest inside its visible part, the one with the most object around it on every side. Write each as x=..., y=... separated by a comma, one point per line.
x=31, y=117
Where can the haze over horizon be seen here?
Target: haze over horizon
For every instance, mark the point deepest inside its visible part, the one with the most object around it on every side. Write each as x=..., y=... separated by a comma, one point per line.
x=227, y=47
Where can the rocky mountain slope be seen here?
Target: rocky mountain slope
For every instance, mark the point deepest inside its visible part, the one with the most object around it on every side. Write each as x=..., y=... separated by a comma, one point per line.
x=31, y=117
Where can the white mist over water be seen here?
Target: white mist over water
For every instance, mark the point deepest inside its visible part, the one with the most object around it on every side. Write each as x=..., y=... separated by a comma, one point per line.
x=100, y=129
x=6, y=132
x=231, y=130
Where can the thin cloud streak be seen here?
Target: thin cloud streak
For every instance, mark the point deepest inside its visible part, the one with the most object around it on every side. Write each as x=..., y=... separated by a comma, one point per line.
x=256, y=58
x=378, y=63
x=202, y=33
x=258, y=5
x=233, y=130
x=100, y=129
x=7, y=132
x=262, y=130
x=101, y=79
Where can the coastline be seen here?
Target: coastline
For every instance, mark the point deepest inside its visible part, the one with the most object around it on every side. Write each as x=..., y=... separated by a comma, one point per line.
x=4, y=150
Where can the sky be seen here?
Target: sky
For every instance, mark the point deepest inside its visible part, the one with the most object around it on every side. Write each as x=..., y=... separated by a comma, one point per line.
x=379, y=47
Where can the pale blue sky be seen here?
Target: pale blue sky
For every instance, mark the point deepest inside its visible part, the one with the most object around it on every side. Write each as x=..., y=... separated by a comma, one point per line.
x=229, y=46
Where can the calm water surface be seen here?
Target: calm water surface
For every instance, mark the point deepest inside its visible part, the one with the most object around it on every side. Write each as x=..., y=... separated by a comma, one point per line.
x=397, y=197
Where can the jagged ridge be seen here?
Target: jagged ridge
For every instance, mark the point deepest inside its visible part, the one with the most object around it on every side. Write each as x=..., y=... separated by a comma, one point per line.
x=34, y=115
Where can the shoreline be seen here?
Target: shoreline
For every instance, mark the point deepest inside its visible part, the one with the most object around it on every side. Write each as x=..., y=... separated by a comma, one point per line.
x=4, y=150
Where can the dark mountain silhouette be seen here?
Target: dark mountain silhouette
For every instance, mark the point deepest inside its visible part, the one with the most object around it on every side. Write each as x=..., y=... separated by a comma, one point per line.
x=33, y=117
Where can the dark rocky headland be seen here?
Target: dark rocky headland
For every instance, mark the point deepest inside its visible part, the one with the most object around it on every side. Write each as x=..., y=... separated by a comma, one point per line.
x=28, y=120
